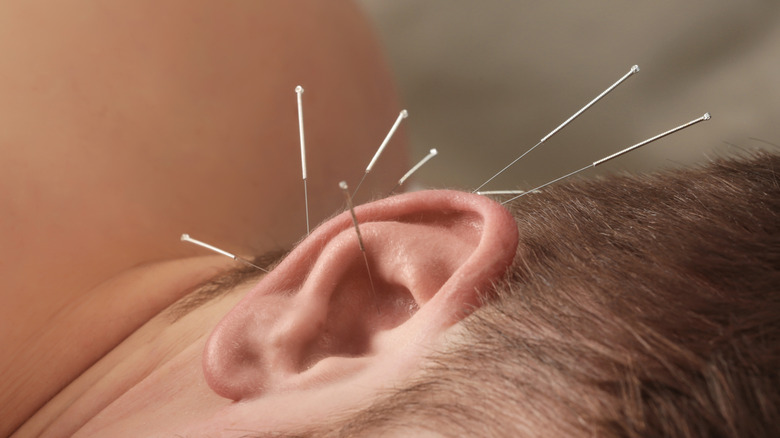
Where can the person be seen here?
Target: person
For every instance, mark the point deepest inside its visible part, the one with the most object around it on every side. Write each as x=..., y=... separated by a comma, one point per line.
x=632, y=306
x=629, y=306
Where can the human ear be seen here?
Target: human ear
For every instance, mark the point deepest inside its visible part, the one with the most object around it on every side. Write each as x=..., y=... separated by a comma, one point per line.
x=318, y=320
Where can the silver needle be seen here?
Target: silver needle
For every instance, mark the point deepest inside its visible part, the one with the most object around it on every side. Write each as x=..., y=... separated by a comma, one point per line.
x=344, y=188
x=299, y=92
x=432, y=153
x=187, y=238
x=633, y=70
x=501, y=192
x=703, y=118
x=404, y=114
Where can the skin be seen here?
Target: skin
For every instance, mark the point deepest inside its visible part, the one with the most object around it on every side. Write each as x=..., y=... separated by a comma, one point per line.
x=243, y=363
x=125, y=124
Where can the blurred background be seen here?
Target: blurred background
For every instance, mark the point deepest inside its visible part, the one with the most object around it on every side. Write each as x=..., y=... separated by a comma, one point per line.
x=485, y=80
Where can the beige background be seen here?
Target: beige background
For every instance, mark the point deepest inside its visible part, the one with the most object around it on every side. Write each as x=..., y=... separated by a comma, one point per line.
x=485, y=80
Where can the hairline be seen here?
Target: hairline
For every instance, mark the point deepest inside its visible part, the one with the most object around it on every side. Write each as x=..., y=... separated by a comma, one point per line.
x=221, y=284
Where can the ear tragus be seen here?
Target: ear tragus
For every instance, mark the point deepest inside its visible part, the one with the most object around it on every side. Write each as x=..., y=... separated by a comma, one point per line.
x=430, y=251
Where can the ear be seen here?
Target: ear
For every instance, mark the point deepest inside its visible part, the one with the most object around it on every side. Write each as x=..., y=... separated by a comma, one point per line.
x=315, y=320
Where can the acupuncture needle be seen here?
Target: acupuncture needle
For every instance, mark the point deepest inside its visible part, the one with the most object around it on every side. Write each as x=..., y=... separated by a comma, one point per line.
x=501, y=192
x=703, y=118
x=299, y=92
x=187, y=238
x=432, y=153
x=402, y=115
x=344, y=188
x=632, y=71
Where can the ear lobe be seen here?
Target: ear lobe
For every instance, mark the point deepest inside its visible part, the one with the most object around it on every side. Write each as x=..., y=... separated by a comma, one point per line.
x=316, y=318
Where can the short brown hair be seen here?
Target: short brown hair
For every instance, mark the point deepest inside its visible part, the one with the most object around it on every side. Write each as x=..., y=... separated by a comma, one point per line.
x=636, y=307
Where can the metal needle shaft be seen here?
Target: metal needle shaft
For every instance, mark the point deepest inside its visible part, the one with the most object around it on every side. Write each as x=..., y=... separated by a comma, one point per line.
x=632, y=71
x=402, y=115
x=432, y=153
x=344, y=188
x=703, y=118
x=299, y=92
x=187, y=238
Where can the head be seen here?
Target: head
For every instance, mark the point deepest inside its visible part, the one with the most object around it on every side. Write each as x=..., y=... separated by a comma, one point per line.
x=628, y=306
x=635, y=306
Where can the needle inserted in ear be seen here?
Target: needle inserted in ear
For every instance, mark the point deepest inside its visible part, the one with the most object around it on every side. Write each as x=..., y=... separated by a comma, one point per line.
x=187, y=238
x=299, y=92
x=703, y=118
x=344, y=188
x=402, y=115
x=633, y=70
x=501, y=192
x=432, y=153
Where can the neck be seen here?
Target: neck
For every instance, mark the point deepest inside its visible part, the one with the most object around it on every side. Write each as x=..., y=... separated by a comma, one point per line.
x=75, y=335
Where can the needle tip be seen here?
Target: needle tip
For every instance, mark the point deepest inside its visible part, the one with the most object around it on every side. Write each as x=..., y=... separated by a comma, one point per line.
x=299, y=89
x=404, y=113
x=433, y=152
x=343, y=185
x=185, y=237
x=635, y=69
x=707, y=116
